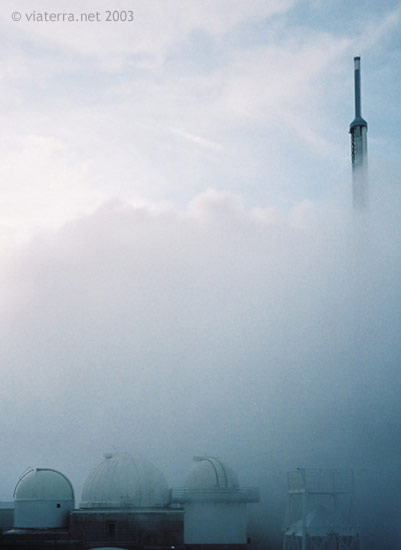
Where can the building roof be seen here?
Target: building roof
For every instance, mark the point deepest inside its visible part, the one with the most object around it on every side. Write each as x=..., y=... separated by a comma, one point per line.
x=125, y=481
x=43, y=484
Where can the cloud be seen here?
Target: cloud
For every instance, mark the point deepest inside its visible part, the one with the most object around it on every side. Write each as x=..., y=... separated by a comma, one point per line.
x=182, y=273
x=155, y=30
x=198, y=140
x=42, y=185
x=249, y=334
x=243, y=93
x=114, y=138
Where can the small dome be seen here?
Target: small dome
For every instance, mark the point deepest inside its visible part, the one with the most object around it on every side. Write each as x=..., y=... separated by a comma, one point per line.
x=209, y=473
x=43, y=484
x=124, y=481
x=43, y=499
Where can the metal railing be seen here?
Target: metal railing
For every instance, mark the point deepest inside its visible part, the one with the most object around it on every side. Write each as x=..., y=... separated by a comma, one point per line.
x=215, y=494
x=320, y=481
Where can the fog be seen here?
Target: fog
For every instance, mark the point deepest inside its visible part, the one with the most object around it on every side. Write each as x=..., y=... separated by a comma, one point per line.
x=181, y=272
x=269, y=338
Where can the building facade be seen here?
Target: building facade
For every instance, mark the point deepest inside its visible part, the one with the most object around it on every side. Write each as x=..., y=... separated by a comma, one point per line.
x=126, y=503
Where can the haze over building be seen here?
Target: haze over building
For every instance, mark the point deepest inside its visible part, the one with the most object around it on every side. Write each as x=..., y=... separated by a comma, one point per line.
x=126, y=502
x=177, y=273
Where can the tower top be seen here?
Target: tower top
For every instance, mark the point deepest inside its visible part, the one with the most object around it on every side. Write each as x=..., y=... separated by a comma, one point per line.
x=358, y=130
x=358, y=120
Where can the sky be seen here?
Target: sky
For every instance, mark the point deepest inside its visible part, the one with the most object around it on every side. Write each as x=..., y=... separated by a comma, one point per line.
x=181, y=272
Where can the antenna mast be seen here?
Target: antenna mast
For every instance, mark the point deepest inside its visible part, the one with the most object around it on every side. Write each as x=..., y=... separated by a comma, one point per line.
x=359, y=146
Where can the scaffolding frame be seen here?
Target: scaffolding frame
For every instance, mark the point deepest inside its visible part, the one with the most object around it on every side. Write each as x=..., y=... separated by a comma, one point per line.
x=308, y=487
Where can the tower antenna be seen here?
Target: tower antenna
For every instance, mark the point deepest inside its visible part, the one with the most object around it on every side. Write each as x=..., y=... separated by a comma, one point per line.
x=359, y=146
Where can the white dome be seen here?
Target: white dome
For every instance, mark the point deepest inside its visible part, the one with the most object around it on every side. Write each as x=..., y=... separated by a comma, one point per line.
x=43, y=484
x=124, y=481
x=209, y=473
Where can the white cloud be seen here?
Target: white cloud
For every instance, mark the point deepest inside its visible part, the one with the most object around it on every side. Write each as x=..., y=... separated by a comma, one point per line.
x=42, y=185
x=157, y=27
x=192, y=309
x=198, y=140
x=165, y=329
x=168, y=131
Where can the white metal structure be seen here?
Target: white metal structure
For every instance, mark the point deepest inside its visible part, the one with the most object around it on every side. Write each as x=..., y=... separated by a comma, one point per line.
x=319, y=510
x=214, y=504
x=124, y=481
x=359, y=145
x=43, y=499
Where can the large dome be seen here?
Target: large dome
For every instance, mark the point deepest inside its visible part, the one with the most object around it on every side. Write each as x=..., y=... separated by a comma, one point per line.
x=210, y=473
x=124, y=481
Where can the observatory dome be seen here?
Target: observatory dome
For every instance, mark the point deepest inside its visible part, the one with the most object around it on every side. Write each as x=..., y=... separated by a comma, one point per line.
x=43, y=499
x=209, y=473
x=124, y=481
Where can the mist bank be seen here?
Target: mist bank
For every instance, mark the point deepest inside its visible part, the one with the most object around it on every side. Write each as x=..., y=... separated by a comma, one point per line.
x=270, y=339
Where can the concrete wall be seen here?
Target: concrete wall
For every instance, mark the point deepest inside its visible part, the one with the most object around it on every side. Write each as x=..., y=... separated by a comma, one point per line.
x=42, y=514
x=140, y=528
x=215, y=523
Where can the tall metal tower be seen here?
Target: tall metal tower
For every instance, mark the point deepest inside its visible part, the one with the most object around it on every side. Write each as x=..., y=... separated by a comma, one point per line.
x=359, y=146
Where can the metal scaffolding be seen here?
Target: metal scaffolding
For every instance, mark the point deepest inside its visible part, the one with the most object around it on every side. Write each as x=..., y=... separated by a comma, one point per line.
x=319, y=511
